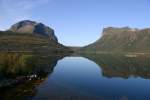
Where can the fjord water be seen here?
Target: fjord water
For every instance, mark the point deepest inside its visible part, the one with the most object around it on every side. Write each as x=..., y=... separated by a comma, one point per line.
x=90, y=77
x=78, y=78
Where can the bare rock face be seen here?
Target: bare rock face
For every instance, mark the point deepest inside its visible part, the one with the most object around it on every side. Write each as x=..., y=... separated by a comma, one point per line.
x=32, y=27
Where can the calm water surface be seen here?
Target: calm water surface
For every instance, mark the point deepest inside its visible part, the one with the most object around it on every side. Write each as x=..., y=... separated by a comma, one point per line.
x=79, y=78
x=92, y=77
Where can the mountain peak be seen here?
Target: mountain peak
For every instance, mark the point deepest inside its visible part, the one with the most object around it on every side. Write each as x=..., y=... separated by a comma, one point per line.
x=32, y=27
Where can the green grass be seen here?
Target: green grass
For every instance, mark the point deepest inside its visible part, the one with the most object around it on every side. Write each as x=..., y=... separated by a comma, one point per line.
x=16, y=42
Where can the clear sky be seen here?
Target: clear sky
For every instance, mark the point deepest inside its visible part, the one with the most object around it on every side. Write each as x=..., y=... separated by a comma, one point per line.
x=77, y=22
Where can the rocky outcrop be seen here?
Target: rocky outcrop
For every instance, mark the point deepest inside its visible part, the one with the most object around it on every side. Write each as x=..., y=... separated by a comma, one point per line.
x=32, y=27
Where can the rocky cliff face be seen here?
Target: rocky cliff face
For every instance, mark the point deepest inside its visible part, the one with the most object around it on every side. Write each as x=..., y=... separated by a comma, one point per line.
x=32, y=27
x=122, y=40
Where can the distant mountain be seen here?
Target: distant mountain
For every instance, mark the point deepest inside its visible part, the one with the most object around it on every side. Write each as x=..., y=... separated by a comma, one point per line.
x=121, y=40
x=32, y=27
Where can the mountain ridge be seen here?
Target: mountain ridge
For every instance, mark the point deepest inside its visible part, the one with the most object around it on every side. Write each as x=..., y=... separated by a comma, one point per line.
x=121, y=40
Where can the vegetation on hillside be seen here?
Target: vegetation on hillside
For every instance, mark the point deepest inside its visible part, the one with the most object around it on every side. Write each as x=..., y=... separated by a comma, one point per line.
x=15, y=42
x=121, y=40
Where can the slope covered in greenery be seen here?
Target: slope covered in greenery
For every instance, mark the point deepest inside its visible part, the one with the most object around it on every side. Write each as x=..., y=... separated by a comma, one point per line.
x=16, y=42
x=121, y=40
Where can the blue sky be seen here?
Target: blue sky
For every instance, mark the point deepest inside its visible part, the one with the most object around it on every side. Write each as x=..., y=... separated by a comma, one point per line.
x=77, y=22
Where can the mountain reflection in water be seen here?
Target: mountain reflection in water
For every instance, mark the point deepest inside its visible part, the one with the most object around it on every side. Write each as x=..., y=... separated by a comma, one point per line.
x=122, y=66
x=90, y=77
x=39, y=65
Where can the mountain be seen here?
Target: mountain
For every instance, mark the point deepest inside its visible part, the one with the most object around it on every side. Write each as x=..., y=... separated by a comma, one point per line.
x=121, y=40
x=30, y=36
x=27, y=26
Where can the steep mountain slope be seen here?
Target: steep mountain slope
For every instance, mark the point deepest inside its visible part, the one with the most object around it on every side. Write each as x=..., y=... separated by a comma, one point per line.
x=27, y=26
x=121, y=40
x=29, y=36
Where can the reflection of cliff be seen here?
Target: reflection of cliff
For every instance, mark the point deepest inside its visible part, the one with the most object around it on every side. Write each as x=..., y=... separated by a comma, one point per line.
x=121, y=66
x=27, y=89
